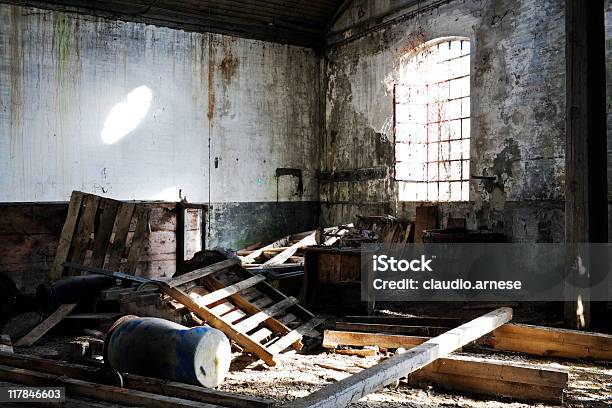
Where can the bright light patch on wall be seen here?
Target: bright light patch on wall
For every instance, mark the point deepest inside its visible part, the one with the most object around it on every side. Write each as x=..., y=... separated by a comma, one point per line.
x=168, y=194
x=126, y=116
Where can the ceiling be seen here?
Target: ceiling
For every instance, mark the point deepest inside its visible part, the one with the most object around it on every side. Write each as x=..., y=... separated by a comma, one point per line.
x=297, y=22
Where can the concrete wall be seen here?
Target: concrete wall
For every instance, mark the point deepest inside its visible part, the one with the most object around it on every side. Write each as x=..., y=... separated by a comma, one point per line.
x=224, y=114
x=517, y=111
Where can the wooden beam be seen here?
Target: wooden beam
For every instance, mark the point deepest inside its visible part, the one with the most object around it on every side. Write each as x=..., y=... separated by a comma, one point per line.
x=250, y=258
x=229, y=290
x=294, y=335
x=96, y=391
x=496, y=378
x=370, y=380
x=134, y=382
x=548, y=341
x=68, y=230
x=287, y=253
x=253, y=321
x=335, y=338
x=201, y=272
x=586, y=190
x=46, y=325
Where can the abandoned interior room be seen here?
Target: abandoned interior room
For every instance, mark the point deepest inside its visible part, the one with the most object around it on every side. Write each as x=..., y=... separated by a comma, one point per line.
x=200, y=202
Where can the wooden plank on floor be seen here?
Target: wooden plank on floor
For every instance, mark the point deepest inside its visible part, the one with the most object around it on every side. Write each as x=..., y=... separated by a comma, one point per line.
x=335, y=338
x=122, y=227
x=230, y=290
x=548, y=341
x=355, y=387
x=68, y=230
x=46, y=325
x=202, y=272
x=496, y=378
x=140, y=234
x=253, y=321
x=104, y=232
x=96, y=391
x=135, y=382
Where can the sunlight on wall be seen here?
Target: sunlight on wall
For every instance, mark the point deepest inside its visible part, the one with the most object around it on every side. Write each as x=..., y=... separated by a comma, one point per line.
x=168, y=194
x=126, y=116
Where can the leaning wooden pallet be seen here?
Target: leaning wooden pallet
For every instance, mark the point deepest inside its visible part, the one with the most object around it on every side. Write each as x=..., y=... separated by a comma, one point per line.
x=96, y=233
x=240, y=304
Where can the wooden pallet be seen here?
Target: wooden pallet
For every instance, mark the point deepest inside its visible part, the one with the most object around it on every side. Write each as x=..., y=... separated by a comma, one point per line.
x=256, y=316
x=96, y=234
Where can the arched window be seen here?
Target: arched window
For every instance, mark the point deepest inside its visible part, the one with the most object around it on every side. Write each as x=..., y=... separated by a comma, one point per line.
x=432, y=122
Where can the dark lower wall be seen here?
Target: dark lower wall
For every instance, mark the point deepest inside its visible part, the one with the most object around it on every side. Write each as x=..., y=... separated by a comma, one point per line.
x=237, y=225
x=29, y=235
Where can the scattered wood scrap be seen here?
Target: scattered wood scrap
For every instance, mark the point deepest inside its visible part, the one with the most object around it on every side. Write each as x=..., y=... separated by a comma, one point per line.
x=156, y=387
x=46, y=325
x=359, y=385
x=548, y=341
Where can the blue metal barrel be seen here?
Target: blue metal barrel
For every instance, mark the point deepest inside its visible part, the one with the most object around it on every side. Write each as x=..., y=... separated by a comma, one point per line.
x=155, y=347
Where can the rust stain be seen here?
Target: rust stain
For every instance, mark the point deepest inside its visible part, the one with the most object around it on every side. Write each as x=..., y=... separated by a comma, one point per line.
x=228, y=65
x=211, y=81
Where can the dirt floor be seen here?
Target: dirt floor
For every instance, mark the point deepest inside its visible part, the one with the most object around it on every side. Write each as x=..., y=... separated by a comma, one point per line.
x=299, y=374
x=590, y=385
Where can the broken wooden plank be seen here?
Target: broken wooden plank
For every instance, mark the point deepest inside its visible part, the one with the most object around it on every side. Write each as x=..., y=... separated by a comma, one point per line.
x=497, y=378
x=294, y=335
x=134, y=382
x=46, y=325
x=123, y=219
x=335, y=338
x=287, y=253
x=548, y=341
x=202, y=272
x=96, y=391
x=230, y=290
x=140, y=234
x=359, y=385
x=87, y=220
x=253, y=321
x=68, y=230
x=104, y=231
x=257, y=253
